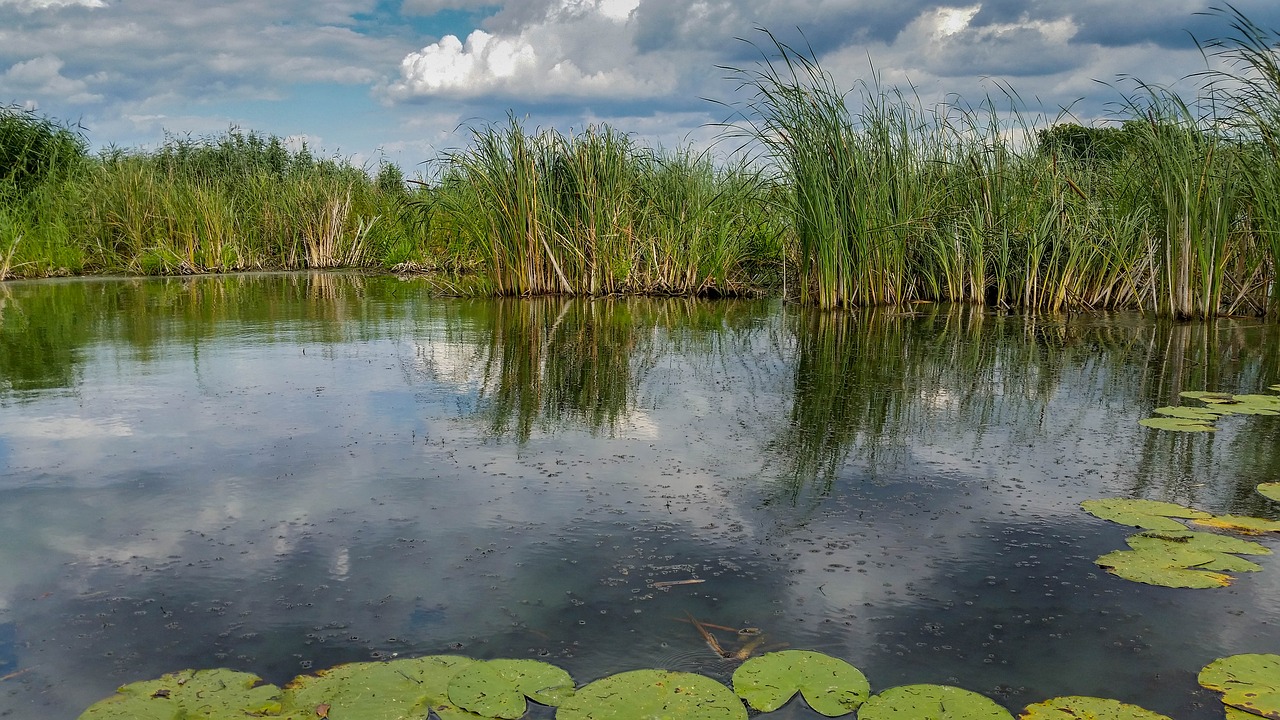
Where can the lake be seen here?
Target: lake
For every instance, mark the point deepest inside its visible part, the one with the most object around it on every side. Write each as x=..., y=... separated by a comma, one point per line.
x=280, y=473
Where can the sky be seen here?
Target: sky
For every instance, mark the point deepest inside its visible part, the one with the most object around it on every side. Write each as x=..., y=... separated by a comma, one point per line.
x=406, y=80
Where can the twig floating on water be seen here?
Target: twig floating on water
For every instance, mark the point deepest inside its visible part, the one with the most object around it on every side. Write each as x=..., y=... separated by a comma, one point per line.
x=669, y=583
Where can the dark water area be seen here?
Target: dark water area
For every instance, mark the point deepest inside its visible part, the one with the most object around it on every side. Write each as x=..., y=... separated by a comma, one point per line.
x=281, y=473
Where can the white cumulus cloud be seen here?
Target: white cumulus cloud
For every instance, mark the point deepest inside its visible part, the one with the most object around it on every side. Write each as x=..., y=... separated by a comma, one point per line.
x=33, y=5
x=578, y=48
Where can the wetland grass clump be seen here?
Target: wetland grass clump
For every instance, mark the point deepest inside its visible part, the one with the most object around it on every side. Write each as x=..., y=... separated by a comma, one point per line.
x=594, y=213
x=893, y=202
x=239, y=201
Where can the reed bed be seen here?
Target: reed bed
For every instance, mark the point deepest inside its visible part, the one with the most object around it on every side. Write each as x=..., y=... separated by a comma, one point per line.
x=239, y=201
x=891, y=201
x=860, y=198
x=597, y=214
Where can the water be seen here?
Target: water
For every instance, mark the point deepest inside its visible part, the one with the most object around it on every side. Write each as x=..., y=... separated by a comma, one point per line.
x=281, y=473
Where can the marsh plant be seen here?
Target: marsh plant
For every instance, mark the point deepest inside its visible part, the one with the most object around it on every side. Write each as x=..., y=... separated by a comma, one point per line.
x=594, y=213
x=893, y=201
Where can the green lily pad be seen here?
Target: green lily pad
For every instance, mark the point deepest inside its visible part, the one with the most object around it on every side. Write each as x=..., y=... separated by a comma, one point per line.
x=1248, y=682
x=189, y=695
x=1176, y=424
x=1234, y=714
x=829, y=685
x=1183, y=412
x=498, y=688
x=1173, y=568
x=395, y=690
x=1204, y=541
x=931, y=702
x=1216, y=398
x=1146, y=514
x=1079, y=707
x=1240, y=523
x=653, y=695
x=1254, y=405
x=1270, y=490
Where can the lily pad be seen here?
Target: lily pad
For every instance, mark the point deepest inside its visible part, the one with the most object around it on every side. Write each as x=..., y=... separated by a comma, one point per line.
x=1146, y=514
x=931, y=702
x=1240, y=523
x=395, y=690
x=1184, y=412
x=498, y=688
x=829, y=685
x=1204, y=541
x=1215, y=398
x=1175, y=569
x=1248, y=682
x=1254, y=405
x=653, y=695
x=1176, y=424
x=1270, y=490
x=1079, y=707
x=189, y=695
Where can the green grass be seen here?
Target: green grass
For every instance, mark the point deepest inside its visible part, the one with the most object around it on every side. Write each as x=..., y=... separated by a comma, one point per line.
x=597, y=214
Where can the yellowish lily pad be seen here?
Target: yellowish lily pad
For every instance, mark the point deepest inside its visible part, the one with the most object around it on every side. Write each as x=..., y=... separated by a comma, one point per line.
x=1077, y=707
x=1249, y=682
x=1240, y=523
x=1146, y=514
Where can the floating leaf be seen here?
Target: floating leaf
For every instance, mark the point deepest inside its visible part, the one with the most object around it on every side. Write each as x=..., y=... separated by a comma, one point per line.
x=1247, y=682
x=653, y=695
x=1190, y=413
x=498, y=688
x=1240, y=523
x=395, y=690
x=1209, y=397
x=1204, y=541
x=829, y=685
x=189, y=695
x=1167, y=569
x=1146, y=514
x=1270, y=490
x=931, y=702
x=1079, y=707
x=1254, y=405
x=1176, y=424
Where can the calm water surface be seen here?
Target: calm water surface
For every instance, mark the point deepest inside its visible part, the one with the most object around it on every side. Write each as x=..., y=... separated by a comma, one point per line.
x=282, y=473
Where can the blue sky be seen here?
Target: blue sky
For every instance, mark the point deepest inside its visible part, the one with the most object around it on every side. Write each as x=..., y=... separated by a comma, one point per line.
x=397, y=79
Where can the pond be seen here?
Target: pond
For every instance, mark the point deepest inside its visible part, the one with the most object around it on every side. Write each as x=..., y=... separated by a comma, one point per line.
x=282, y=473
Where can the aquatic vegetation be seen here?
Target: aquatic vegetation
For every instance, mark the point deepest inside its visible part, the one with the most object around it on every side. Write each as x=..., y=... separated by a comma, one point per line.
x=1202, y=541
x=375, y=690
x=829, y=685
x=1218, y=405
x=498, y=688
x=1147, y=514
x=1168, y=554
x=931, y=702
x=212, y=694
x=1270, y=490
x=640, y=694
x=1173, y=567
x=411, y=688
x=1249, y=683
x=1240, y=523
x=1077, y=707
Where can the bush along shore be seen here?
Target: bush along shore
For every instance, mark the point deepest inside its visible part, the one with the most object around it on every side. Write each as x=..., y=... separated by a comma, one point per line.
x=852, y=199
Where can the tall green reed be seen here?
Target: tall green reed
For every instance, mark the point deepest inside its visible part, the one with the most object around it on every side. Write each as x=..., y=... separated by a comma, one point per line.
x=594, y=213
